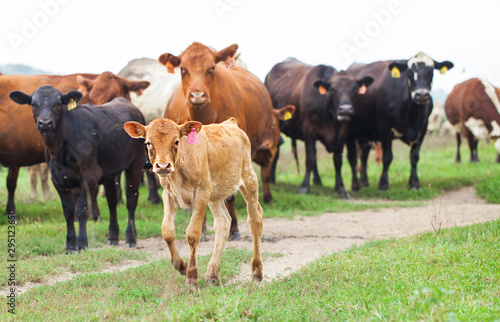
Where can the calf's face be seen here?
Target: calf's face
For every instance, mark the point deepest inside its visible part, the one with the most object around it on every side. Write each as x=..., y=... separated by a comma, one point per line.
x=419, y=76
x=341, y=89
x=162, y=139
x=108, y=86
x=198, y=65
x=47, y=104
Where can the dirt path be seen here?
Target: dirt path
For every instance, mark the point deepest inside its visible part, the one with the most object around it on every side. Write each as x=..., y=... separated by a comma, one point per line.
x=305, y=239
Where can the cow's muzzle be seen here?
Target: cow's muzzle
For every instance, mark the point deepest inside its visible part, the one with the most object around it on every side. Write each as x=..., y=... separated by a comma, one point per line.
x=198, y=98
x=421, y=96
x=45, y=125
x=345, y=112
x=163, y=168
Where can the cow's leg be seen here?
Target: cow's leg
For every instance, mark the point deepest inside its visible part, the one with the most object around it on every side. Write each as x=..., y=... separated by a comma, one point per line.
x=364, y=148
x=414, y=157
x=234, y=231
x=222, y=222
x=472, y=145
x=153, y=195
x=310, y=144
x=386, y=160
x=265, y=173
x=352, y=157
x=170, y=206
x=133, y=179
x=272, y=178
x=68, y=206
x=11, y=188
x=33, y=175
x=250, y=192
x=459, y=142
x=337, y=160
x=193, y=232
x=112, y=199
x=498, y=157
x=87, y=199
x=44, y=178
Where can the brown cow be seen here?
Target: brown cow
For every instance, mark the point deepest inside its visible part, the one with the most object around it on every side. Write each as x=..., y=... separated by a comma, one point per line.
x=211, y=93
x=473, y=107
x=199, y=166
x=20, y=142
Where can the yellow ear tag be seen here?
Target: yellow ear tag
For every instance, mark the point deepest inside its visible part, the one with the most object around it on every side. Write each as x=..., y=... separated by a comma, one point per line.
x=287, y=116
x=71, y=104
x=395, y=73
x=443, y=70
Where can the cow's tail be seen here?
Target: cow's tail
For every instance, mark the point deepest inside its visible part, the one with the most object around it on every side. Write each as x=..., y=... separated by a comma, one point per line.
x=294, y=151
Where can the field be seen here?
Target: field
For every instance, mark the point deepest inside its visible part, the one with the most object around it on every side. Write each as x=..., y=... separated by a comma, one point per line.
x=447, y=273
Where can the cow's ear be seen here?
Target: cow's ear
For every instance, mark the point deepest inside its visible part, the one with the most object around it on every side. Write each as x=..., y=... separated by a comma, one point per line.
x=135, y=129
x=226, y=53
x=188, y=127
x=322, y=86
x=363, y=83
x=285, y=113
x=85, y=82
x=170, y=61
x=444, y=64
x=73, y=95
x=137, y=86
x=397, y=67
x=20, y=97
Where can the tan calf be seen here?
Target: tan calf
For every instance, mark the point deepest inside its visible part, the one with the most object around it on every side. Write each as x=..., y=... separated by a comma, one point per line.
x=201, y=174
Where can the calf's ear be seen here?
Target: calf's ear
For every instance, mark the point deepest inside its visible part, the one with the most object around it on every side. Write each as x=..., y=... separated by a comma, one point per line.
x=440, y=65
x=20, y=97
x=137, y=86
x=322, y=86
x=188, y=127
x=170, y=61
x=135, y=129
x=364, y=83
x=396, y=67
x=73, y=95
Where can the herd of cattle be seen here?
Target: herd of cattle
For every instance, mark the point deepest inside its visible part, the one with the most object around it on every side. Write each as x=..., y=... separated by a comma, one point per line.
x=86, y=126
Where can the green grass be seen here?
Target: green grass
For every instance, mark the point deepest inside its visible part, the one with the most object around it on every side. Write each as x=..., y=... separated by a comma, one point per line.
x=453, y=274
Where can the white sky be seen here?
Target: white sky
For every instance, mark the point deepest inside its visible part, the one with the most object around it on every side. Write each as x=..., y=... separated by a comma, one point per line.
x=96, y=35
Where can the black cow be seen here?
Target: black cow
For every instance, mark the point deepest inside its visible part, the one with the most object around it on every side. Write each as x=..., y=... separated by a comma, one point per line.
x=323, y=101
x=397, y=105
x=86, y=146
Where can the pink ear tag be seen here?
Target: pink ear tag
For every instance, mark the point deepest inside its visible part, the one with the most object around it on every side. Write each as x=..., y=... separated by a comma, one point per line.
x=193, y=136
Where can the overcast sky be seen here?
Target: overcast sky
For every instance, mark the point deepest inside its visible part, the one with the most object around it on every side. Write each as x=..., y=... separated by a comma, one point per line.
x=69, y=36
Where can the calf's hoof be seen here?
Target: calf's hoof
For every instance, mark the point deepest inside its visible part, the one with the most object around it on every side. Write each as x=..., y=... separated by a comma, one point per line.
x=257, y=277
x=193, y=283
x=113, y=242
x=234, y=236
x=154, y=199
x=268, y=199
x=203, y=238
x=343, y=194
x=131, y=245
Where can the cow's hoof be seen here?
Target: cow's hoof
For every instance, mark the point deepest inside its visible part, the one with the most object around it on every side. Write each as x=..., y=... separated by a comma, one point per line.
x=131, y=245
x=203, y=238
x=415, y=188
x=193, y=284
x=344, y=195
x=154, y=200
x=234, y=236
x=257, y=277
x=70, y=251
x=113, y=242
x=268, y=199
x=304, y=190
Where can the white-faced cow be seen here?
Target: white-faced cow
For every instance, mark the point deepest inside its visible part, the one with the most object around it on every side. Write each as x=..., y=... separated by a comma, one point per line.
x=397, y=105
x=86, y=146
x=473, y=107
x=323, y=99
x=199, y=166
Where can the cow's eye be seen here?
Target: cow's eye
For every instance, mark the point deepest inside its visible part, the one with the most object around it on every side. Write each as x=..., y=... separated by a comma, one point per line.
x=176, y=143
x=149, y=145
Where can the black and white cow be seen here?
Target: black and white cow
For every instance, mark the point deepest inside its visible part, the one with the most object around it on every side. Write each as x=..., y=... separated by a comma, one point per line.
x=86, y=146
x=397, y=105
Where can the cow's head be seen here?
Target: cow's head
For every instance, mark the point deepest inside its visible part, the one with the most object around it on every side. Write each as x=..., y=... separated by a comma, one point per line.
x=108, y=86
x=198, y=65
x=341, y=89
x=162, y=141
x=419, y=75
x=47, y=104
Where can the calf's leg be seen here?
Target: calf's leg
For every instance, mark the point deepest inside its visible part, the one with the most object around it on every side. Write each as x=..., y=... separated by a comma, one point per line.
x=170, y=206
x=11, y=188
x=132, y=178
x=222, y=221
x=234, y=231
x=459, y=142
x=250, y=192
x=112, y=199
